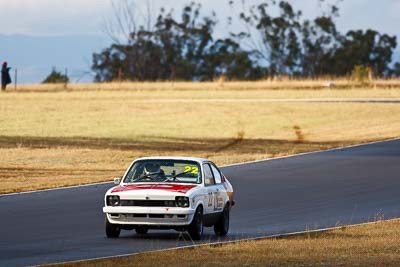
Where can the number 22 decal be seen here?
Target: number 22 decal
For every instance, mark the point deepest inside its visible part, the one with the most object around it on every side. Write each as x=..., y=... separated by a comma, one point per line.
x=191, y=169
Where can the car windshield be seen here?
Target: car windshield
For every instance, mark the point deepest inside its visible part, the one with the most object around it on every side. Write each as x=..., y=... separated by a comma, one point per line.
x=164, y=171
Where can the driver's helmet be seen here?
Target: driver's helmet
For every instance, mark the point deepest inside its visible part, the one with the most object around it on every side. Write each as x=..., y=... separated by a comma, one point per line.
x=151, y=168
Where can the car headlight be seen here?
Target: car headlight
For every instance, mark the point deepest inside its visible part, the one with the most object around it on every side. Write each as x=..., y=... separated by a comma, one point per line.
x=113, y=201
x=182, y=202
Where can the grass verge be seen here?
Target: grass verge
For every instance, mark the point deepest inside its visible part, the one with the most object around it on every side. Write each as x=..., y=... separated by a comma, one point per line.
x=374, y=244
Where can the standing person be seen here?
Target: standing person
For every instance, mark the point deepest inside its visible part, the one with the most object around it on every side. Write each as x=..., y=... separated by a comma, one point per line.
x=5, y=76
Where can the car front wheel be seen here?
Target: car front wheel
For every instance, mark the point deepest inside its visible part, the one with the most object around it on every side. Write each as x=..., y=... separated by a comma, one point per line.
x=196, y=228
x=112, y=230
x=221, y=228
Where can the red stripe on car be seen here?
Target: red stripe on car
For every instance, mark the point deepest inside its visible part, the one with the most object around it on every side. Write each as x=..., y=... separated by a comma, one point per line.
x=168, y=187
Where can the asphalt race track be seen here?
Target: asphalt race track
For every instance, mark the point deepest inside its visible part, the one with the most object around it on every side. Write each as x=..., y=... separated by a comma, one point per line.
x=316, y=190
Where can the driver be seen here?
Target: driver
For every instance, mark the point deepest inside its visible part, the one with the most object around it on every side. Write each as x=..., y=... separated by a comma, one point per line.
x=154, y=172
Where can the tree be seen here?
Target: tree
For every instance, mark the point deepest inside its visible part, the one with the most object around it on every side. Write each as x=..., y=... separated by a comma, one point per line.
x=56, y=77
x=320, y=40
x=279, y=35
x=182, y=49
x=228, y=59
x=366, y=48
x=281, y=42
x=309, y=48
x=396, y=70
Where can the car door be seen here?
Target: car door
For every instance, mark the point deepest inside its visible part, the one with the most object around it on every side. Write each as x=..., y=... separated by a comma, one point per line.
x=220, y=191
x=211, y=188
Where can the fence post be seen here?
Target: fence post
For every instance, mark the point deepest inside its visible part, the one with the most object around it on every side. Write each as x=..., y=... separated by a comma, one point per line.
x=16, y=79
x=66, y=78
x=120, y=75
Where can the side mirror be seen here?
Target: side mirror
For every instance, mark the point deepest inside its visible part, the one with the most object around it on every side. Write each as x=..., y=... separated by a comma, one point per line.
x=117, y=180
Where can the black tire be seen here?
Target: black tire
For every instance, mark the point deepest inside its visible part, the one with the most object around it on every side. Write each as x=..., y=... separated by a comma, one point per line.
x=196, y=227
x=141, y=230
x=221, y=228
x=112, y=230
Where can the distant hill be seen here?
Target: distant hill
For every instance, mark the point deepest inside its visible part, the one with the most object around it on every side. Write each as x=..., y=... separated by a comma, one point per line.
x=34, y=56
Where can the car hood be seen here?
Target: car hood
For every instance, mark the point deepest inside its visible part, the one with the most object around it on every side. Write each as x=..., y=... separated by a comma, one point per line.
x=153, y=189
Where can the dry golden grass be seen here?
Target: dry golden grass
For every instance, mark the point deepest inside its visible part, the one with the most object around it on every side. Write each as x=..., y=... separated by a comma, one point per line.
x=219, y=85
x=51, y=139
x=367, y=245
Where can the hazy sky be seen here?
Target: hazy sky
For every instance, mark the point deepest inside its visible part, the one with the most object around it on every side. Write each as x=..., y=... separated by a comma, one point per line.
x=36, y=35
x=59, y=17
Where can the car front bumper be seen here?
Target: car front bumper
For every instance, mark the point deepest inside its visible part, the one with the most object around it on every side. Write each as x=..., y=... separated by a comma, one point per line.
x=151, y=216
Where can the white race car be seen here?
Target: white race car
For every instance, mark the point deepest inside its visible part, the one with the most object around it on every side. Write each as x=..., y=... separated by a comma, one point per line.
x=178, y=193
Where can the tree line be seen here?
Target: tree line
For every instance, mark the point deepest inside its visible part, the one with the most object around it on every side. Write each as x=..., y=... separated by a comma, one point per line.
x=277, y=40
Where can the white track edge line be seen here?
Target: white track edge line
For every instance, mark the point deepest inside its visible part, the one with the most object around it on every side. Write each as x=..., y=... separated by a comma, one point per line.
x=228, y=165
x=226, y=242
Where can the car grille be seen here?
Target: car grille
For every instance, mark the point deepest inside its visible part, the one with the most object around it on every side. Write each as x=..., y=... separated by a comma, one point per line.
x=148, y=203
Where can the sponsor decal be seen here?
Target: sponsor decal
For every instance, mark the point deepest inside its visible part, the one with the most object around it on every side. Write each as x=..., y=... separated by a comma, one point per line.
x=219, y=201
x=210, y=199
